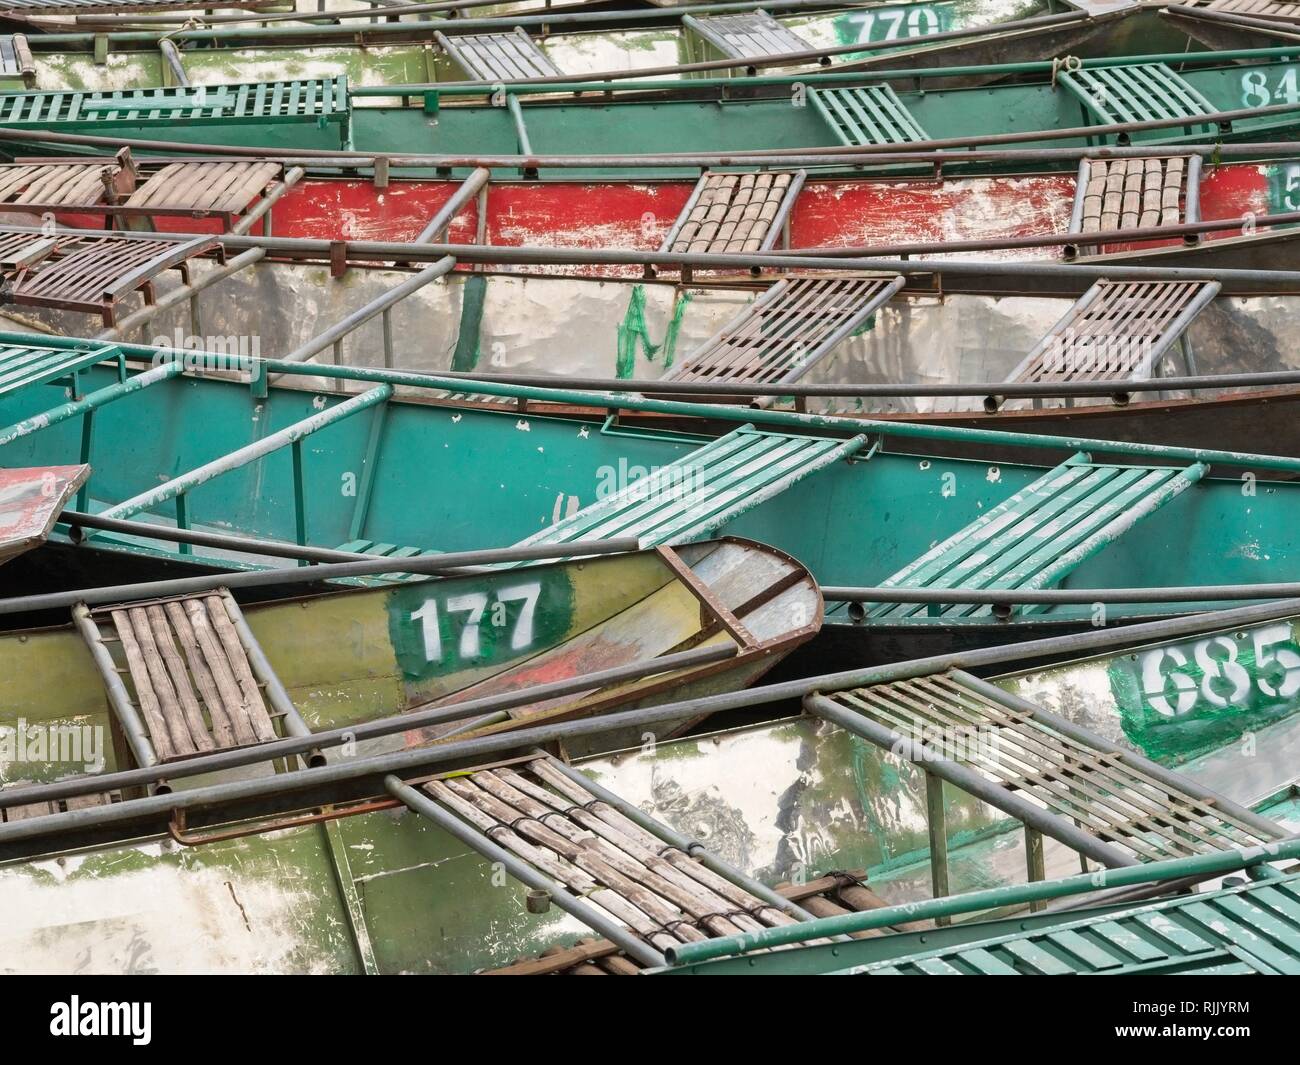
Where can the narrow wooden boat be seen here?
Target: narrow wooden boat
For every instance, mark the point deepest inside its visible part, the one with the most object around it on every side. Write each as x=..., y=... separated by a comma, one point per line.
x=182, y=676
x=810, y=211
x=792, y=802
x=681, y=41
x=1101, y=99
x=1106, y=515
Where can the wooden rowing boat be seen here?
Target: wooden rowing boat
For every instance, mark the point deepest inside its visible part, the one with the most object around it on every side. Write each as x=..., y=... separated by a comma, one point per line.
x=354, y=656
x=793, y=800
x=1132, y=515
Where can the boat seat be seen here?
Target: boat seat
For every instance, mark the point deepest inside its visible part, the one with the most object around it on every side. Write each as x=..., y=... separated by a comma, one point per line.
x=735, y=212
x=751, y=35
x=217, y=187
x=694, y=497
x=867, y=114
x=16, y=60
x=199, y=681
x=1230, y=932
x=1117, y=331
x=551, y=822
x=27, y=365
x=1268, y=9
x=781, y=335
x=321, y=101
x=58, y=184
x=79, y=272
x=498, y=56
x=1136, y=812
x=1136, y=193
x=1138, y=92
x=1038, y=535
x=41, y=8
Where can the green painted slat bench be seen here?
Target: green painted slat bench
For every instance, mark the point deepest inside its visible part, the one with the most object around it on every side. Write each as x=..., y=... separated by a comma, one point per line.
x=319, y=100
x=1250, y=928
x=1040, y=534
x=694, y=497
x=1137, y=92
x=26, y=365
x=868, y=114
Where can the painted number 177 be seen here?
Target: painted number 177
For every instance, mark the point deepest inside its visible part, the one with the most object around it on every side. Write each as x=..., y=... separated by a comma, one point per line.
x=471, y=608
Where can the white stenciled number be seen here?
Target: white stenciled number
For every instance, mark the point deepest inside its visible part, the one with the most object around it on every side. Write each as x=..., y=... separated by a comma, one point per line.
x=427, y=616
x=528, y=595
x=921, y=21
x=473, y=603
x=1215, y=669
x=1256, y=93
x=1154, y=680
x=1291, y=186
x=1267, y=653
x=1254, y=90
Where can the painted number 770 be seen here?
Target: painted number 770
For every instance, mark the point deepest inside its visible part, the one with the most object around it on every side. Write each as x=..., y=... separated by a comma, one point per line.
x=472, y=607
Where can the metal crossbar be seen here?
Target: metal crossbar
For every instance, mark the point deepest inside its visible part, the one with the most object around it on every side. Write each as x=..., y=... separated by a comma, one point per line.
x=1040, y=534
x=1242, y=930
x=498, y=56
x=751, y=35
x=786, y=331
x=694, y=497
x=1021, y=753
x=37, y=8
x=735, y=212
x=867, y=114
x=1118, y=330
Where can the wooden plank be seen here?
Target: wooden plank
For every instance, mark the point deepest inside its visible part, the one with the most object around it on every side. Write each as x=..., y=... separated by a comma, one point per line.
x=223, y=728
x=237, y=657
x=191, y=711
x=144, y=695
x=169, y=705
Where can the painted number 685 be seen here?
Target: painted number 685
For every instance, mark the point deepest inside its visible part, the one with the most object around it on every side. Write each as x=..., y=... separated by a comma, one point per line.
x=1218, y=673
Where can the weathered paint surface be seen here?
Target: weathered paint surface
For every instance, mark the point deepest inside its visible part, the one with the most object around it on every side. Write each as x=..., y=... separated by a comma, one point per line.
x=369, y=653
x=574, y=53
x=1179, y=701
x=30, y=500
x=783, y=800
x=828, y=214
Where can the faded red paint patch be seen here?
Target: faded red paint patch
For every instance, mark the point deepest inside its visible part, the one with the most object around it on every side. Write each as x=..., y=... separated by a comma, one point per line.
x=30, y=501
x=637, y=216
